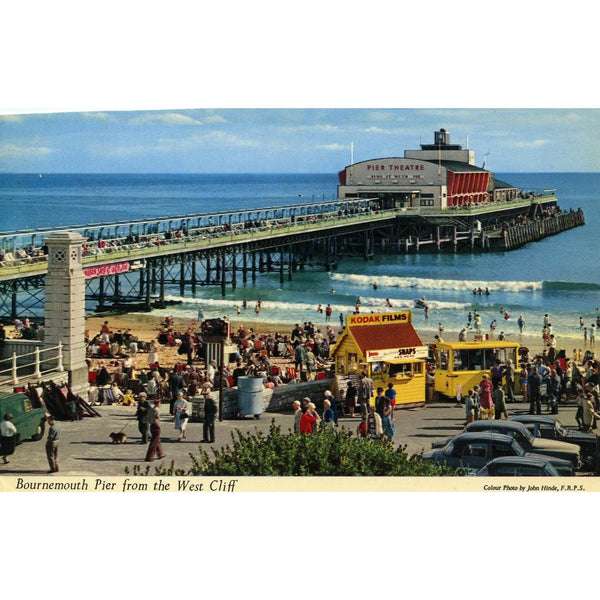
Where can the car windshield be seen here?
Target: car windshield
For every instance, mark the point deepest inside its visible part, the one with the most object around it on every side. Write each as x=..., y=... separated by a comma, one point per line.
x=560, y=430
x=527, y=434
x=449, y=448
x=517, y=448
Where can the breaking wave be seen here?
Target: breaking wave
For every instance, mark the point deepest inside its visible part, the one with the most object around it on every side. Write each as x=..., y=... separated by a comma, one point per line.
x=461, y=284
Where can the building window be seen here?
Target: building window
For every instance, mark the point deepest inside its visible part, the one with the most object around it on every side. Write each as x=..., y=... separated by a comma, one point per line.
x=426, y=201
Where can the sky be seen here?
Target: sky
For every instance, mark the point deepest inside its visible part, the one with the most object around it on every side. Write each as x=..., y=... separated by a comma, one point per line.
x=288, y=140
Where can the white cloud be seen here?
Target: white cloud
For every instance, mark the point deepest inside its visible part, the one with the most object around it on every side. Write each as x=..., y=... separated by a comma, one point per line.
x=215, y=119
x=14, y=151
x=165, y=118
x=177, y=146
x=333, y=147
x=531, y=144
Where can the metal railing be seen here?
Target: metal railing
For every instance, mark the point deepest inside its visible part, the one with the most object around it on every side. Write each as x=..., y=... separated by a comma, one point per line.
x=11, y=373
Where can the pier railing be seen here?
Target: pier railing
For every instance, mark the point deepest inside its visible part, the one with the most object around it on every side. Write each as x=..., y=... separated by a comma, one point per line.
x=38, y=363
x=524, y=233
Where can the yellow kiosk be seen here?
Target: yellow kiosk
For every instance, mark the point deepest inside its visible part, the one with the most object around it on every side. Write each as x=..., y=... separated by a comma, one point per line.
x=388, y=349
x=461, y=365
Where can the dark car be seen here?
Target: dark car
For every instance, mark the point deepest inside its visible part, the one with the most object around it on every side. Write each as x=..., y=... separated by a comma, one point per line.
x=547, y=427
x=474, y=450
x=530, y=443
x=518, y=466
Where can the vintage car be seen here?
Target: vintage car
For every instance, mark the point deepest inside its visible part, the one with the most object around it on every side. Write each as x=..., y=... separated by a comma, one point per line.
x=550, y=428
x=518, y=466
x=28, y=418
x=473, y=450
x=528, y=441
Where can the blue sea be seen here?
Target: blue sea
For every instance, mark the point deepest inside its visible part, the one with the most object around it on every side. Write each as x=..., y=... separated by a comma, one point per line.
x=559, y=275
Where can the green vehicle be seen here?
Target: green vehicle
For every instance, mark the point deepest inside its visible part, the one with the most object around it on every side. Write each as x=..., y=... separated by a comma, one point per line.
x=29, y=420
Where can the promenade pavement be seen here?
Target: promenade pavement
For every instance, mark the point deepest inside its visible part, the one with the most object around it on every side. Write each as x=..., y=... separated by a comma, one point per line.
x=86, y=448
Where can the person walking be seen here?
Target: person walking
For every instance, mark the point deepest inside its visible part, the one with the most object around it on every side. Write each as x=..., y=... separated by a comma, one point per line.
x=210, y=412
x=523, y=377
x=297, y=414
x=470, y=406
x=351, y=395
x=509, y=378
x=140, y=415
x=391, y=394
x=52, y=444
x=534, y=382
x=485, y=396
x=365, y=392
x=309, y=419
x=153, y=419
x=386, y=422
x=328, y=416
x=8, y=437
x=499, y=399
x=181, y=414
x=589, y=414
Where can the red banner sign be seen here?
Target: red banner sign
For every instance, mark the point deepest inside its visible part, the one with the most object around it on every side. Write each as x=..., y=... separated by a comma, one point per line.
x=103, y=270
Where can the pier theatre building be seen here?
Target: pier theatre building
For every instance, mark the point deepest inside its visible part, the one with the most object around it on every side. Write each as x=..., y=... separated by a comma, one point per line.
x=438, y=176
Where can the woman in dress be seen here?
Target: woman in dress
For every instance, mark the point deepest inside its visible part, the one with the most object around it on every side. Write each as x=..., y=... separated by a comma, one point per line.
x=485, y=396
x=8, y=437
x=181, y=408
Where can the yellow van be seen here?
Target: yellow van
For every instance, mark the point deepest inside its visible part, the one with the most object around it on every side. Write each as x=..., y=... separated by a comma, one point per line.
x=461, y=365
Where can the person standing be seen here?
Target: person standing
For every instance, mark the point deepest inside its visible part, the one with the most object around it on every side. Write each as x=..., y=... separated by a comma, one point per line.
x=351, y=394
x=328, y=416
x=297, y=415
x=153, y=419
x=208, y=427
x=523, y=377
x=470, y=404
x=386, y=422
x=176, y=383
x=140, y=415
x=534, y=382
x=309, y=419
x=8, y=437
x=509, y=377
x=365, y=392
x=485, y=395
x=380, y=402
x=589, y=414
x=391, y=394
x=181, y=414
x=52, y=444
x=499, y=400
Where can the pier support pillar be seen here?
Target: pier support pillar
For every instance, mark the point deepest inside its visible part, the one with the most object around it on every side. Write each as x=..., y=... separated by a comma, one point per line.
x=64, y=313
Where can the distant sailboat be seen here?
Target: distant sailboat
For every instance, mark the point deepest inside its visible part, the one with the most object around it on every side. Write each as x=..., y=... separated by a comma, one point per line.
x=40, y=175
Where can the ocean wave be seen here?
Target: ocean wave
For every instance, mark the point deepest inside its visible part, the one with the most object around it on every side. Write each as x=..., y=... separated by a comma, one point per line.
x=436, y=284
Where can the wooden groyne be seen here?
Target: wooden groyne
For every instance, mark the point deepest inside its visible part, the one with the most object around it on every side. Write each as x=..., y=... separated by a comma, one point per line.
x=518, y=235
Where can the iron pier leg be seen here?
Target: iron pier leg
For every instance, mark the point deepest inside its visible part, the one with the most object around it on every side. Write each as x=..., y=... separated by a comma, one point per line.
x=101, y=293
x=245, y=267
x=13, y=301
x=208, y=270
x=148, y=276
x=281, y=255
x=253, y=267
x=182, y=276
x=290, y=261
x=162, y=283
x=223, y=282
x=193, y=276
x=233, y=269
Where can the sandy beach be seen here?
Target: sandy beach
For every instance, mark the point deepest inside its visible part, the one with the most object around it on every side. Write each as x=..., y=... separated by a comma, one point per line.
x=147, y=326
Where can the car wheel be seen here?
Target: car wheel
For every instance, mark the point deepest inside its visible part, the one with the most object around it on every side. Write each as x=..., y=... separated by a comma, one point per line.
x=40, y=432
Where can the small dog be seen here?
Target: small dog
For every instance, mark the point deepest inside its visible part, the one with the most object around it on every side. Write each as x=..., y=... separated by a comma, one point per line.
x=118, y=438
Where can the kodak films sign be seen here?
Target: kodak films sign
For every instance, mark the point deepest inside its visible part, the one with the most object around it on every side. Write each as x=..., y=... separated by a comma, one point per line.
x=379, y=318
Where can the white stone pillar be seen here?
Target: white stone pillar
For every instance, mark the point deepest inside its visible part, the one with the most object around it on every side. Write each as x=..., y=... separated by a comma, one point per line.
x=65, y=304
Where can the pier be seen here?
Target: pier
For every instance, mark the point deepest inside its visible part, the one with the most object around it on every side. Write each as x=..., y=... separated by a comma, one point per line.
x=128, y=265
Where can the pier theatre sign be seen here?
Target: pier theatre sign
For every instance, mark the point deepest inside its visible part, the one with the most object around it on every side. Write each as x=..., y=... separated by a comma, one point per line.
x=394, y=170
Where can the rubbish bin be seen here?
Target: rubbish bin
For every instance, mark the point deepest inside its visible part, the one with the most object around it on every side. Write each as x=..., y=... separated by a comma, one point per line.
x=250, y=396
